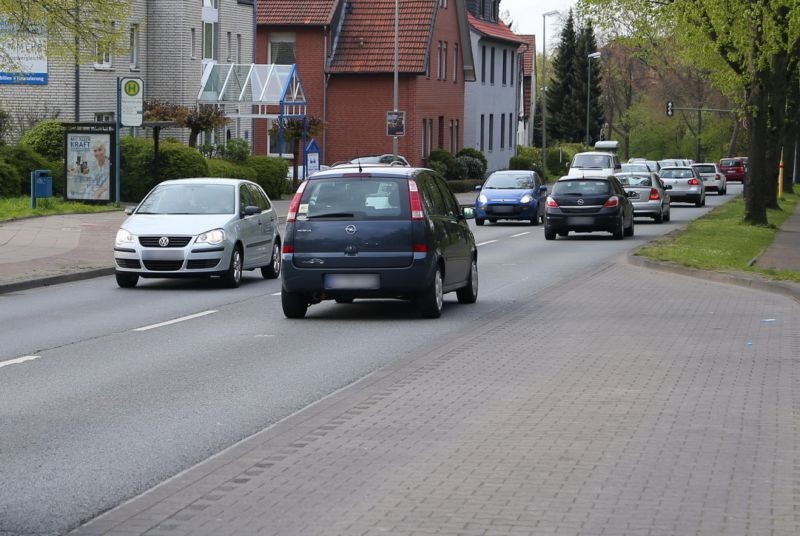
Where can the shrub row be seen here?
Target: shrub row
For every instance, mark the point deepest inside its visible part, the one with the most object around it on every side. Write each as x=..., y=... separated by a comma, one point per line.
x=468, y=163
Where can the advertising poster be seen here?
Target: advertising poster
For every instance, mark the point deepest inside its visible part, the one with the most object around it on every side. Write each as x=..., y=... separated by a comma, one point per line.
x=26, y=51
x=395, y=124
x=88, y=166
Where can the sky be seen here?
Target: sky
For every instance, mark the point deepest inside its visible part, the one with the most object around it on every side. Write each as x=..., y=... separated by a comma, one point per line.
x=527, y=17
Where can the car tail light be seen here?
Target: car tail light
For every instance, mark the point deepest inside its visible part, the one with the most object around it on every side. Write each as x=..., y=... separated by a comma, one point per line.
x=654, y=195
x=717, y=177
x=551, y=202
x=613, y=201
x=415, y=201
x=420, y=248
x=693, y=182
x=291, y=215
x=288, y=248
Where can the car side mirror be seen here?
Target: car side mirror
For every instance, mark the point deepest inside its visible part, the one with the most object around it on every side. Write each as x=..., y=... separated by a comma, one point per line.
x=129, y=210
x=469, y=213
x=478, y=187
x=543, y=188
x=251, y=210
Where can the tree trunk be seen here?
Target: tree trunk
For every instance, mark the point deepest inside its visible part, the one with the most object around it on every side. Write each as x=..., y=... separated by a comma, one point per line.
x=790, y=130
x=755, y=211
x=194, y=133
x=295, y=178
x=777, y=89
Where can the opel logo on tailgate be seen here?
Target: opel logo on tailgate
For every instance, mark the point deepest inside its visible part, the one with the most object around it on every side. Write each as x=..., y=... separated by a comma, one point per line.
x=580, y=201
x=351, y=229
x=163, y=241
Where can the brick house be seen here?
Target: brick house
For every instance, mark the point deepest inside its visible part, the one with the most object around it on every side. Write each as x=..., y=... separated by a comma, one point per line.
x=344, y=50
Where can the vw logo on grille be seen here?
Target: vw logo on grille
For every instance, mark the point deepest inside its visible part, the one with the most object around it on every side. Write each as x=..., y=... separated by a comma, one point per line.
x=163, y=241
x=351, y=229
x=580, y=201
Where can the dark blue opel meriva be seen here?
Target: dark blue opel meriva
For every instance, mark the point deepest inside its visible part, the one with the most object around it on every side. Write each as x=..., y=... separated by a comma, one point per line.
x=377, y=232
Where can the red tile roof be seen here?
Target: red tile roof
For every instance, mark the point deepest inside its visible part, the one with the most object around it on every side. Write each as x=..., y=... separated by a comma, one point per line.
x=366, y=42
x=527, y=54
x=296, y=12
x=496, y=30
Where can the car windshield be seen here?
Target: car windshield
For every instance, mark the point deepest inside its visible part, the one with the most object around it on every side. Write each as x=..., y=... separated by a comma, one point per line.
x=582, y=187
x=635, y=167
x=705, y=169
x=592, y=161
x=189, y=199
x=355, y=198
x=507, y=181
x=634, y=180
x=676, y=173
x=730, y=163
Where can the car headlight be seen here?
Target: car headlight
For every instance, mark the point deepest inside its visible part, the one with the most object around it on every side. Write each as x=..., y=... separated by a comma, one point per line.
x=123, y=237
x=217, y=236
x=525, y=199
x=482, y=199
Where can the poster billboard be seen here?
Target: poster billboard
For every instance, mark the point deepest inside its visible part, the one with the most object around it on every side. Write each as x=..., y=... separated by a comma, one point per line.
x=89, y=166
x=395, y=123
x=24, y=55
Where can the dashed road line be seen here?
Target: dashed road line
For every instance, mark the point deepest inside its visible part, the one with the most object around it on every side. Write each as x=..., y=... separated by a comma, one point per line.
x=520, y=234
x=176, y=320
x=487, y=242
x=18, y=360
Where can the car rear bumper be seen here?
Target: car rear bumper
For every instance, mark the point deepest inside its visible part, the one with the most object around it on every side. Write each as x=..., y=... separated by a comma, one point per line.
x=685, y=197
x=582, y=223
x=646, y=208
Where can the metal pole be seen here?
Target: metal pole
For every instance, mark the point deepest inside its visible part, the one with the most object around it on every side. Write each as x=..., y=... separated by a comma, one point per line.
x=396, y=67
x=117, y=125
x=544, y=95
x=699, y=133
x=588, y=93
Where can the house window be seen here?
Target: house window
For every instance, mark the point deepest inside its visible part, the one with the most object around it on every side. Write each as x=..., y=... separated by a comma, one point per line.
x=505, y=66
x=104, y=117
x=482, y=131
x=134, y=47
x=502, y=131
x=440, y=145
x=491, y=132
x=439, y=62
x=193, y=44
x=491, y=67
x=229, y=57
x=510, y=131
x=455, y=62
x=210, y=3
x=238, y=48
x=452, y=137
x=427, y=137
x=102, y=50
x=282, y=48
x=483, y=64
x=430, y=137
x=443, y=4
x=458, y=137
x=209, y=40
x=444, y=59
x=513, y=58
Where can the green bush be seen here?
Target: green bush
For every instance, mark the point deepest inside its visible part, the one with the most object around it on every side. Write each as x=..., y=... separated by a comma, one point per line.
x=438, y=166
x=10, y=183
x=474, y=153
x=464, y=186
x=136, y=165
x=448, y=169
x=521, y=162
x=271, y=174
x=23, y=160
x=218, y=167
x=472, y=168
x=235, y=150
x=57, y=171
x=46, y=138
x=179, y=161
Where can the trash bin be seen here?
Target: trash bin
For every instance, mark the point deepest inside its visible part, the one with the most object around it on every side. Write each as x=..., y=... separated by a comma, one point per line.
x=44, y=186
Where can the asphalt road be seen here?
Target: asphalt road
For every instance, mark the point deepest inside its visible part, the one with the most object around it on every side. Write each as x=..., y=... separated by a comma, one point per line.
x=106, y=402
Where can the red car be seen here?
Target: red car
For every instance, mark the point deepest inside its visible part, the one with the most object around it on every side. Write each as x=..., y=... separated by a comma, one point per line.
x=734, y=169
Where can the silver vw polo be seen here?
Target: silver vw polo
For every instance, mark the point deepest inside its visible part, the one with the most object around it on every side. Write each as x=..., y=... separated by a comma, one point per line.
x=199, y=228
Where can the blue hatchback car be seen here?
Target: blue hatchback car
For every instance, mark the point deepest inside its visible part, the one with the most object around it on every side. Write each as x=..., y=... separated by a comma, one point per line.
x=511, y=195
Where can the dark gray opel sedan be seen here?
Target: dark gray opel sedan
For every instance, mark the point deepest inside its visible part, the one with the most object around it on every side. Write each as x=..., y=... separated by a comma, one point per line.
x=377, y=232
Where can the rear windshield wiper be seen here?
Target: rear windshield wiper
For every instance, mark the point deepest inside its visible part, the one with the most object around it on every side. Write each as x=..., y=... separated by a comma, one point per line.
x=333, y=215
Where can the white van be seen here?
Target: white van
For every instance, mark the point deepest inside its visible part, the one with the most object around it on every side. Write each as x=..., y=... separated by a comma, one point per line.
x=594, y=161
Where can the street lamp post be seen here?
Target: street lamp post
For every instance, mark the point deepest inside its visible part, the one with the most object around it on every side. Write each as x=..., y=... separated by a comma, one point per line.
x=396, y=69
x=544, y=88
x=589, y=58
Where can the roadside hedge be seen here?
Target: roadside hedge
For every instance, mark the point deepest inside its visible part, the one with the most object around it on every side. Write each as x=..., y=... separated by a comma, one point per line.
x=218, y=167
x=23, y=160
x=46, y=138
x=271, y=174
x=464, y=186
x=177, y=161
x=10, y=185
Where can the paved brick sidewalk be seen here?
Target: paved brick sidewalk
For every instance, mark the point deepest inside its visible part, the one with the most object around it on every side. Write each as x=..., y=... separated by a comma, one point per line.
x=784, y=252
x=630, y=403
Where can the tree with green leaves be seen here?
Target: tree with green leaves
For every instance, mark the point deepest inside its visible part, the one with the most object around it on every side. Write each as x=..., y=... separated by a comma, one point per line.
x=563, y=114
x=64, y=27
x=295, y=130
x=587, y=44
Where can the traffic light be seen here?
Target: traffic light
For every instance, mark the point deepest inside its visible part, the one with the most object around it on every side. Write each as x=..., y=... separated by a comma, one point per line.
x=670, y=108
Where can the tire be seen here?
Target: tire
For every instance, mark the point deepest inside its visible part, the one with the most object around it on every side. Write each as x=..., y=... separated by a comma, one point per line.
x=659, y=218
x=233, y=276
x=294, y=304
x=469, y=293
x=431, y=301
x=667, y=216
x=343, y=300
x=479, y=221
x=629, y=230
x=126, y=280
x=563, y=234
x=273, y=269
x=492, y=220
x=549, y=234
x=619, y=232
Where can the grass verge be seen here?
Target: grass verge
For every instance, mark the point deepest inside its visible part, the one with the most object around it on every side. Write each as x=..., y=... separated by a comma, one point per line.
x=720, y=241
x=13, y=208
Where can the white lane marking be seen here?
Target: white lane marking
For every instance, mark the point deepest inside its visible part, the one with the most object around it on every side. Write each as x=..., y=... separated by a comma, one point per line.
x=276, y=293
x=520, y=234
x=18, y=360
x=487, y=242
x=176, y=320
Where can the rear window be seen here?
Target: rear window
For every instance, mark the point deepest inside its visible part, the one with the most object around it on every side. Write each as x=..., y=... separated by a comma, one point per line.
x=355, y=198
x=635, y=168
x=676, y=174
x=592, y=161
x=634, y=180
x=582, y=187
x=705, y=169
x=730, y=163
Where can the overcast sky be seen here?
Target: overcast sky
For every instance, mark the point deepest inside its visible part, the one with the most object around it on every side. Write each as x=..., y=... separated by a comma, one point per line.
x=527, y=17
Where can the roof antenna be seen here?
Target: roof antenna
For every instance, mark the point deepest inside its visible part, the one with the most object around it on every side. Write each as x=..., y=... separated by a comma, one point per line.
x=358, y=159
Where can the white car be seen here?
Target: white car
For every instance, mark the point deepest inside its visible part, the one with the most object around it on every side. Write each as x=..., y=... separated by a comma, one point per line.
x=713, y=177
x=594, y=162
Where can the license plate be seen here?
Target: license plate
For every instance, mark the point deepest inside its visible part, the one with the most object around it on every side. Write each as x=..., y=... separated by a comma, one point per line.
x=581, y=220
x=502, y=209
x=352, y=281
